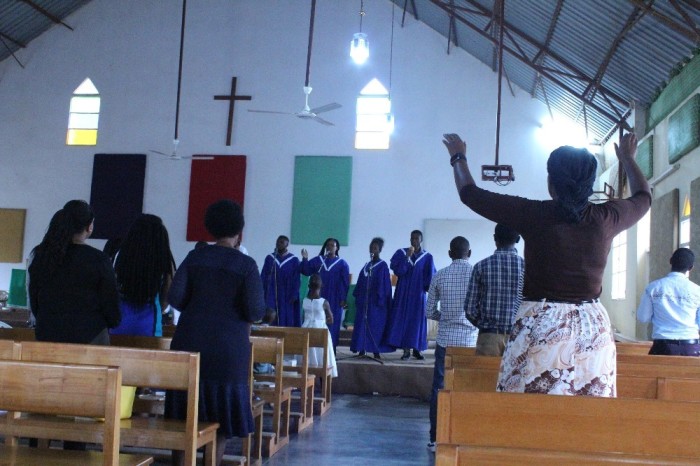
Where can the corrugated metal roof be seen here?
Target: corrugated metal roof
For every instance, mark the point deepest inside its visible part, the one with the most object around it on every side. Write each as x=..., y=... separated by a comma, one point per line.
x=21, y=21
x=585, y=32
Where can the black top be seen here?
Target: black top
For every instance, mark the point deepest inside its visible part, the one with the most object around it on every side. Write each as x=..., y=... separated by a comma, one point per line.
x=79, y=301
x=563, y=261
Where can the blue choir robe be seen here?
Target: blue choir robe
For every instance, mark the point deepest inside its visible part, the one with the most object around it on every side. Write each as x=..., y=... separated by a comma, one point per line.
x=281, y=281
x=335, y=274
x=407, y=327
x=373, y=301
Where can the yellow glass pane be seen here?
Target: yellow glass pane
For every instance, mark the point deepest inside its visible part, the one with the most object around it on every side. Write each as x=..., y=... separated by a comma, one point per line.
x=81, y=137
x=686, y=207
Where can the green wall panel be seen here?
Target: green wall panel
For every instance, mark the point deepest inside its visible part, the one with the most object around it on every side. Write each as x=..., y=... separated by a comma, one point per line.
x=645, y=157
x=680, y=87
x=684, y=129
x=321, y=203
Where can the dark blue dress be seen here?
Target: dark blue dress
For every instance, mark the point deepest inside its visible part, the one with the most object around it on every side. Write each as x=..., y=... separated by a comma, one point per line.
x=281, y=281
x=335, y=274
x=219, y=293
x=372, y=299
x=407, y=322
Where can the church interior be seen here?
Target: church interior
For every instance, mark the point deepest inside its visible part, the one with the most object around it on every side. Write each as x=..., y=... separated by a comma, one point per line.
x=162, y=107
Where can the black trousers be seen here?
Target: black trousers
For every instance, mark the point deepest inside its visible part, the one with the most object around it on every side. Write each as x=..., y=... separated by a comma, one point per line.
x=671, y=348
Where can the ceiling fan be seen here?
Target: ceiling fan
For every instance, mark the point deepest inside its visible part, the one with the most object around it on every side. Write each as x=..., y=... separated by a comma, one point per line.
x=308, y=113
x=176, y=141
x=175, y=156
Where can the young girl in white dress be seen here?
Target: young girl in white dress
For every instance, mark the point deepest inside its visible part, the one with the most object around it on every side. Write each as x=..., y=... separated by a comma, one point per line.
x=317, y=314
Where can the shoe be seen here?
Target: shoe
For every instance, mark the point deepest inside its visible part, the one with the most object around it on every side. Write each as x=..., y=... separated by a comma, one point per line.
x=377, y=356
x=417, y=355
x=432, y=447
x=406, y=355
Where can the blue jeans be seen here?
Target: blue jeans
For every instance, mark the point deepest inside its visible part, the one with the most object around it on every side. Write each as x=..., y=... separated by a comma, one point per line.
x=438, y=384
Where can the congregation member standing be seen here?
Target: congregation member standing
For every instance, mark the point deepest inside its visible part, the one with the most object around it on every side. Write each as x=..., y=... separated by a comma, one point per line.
x=372, y=302
x=495, y=293
x=407, y=328
x=145, y=269
x=317, y=314
x=335, y=275
x=672, y=305
x=562, y=341
x=72, y=288
x=219, y=293
x=449, y=288
x=281, y=281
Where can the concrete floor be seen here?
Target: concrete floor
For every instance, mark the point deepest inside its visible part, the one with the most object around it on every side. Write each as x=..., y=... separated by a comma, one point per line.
x=362, y=430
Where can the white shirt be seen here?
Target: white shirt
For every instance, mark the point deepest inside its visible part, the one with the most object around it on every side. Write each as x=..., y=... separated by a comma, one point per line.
x=672, y=305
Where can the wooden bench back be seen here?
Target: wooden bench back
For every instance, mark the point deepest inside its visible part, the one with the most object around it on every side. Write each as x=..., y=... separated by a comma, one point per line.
x=638, y=376
x=9, y=349
x=573, y=424
x=170, y=370
x=318, y=338
x=269, y=350
x=58, y=389
x=640, y=348
x=295, y=343
x=137, y=341
x=17, y=334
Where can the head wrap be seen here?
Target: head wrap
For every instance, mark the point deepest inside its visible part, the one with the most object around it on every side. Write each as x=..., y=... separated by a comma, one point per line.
x=572, y=173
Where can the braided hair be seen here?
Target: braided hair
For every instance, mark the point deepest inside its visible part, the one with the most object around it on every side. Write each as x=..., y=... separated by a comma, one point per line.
x=49, y=255
x=144, y=260
x=572, y=173
x=323, y=248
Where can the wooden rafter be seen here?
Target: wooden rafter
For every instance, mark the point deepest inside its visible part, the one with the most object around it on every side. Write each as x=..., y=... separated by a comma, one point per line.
x=542, y=53
x=405, y=6
x=611, y=113
x=46, y=13
x=686, y=17
x=691, y=34
x=632, y=20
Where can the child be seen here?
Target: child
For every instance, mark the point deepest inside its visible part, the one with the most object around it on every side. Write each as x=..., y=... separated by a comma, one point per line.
x=317, y=314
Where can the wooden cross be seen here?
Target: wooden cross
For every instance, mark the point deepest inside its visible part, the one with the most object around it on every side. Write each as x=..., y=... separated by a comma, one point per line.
x=232, y=98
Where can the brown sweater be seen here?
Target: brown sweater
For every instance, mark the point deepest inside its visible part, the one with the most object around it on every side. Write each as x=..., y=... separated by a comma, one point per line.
x=563, y=261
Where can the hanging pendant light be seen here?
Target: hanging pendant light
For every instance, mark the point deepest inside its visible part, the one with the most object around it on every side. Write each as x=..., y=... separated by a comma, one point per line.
x=359, y=46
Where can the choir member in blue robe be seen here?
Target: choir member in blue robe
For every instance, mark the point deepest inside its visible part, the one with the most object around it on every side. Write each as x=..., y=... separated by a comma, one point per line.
x=281, y=282
x=335, y=274
x=407, y=322
x=372, y=302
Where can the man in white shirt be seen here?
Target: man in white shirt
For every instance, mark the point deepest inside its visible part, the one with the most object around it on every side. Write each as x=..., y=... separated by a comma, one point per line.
x=672, y=305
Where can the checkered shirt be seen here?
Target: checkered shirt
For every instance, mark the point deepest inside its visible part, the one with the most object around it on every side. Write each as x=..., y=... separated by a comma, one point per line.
x=449, y=288
x=496, y=290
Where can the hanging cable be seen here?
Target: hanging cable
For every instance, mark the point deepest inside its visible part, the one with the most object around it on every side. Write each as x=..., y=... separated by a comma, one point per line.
x=179, y=69
x=311, y=38
x=391, y=46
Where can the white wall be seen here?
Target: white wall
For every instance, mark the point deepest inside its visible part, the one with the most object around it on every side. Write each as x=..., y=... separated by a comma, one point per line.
x=129, y=49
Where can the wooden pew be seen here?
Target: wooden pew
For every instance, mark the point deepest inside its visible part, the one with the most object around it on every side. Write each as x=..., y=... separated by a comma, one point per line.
x=508, y=428
x=9, y=349
x=137, y=341
x=168, y=370
x=17, y=334
x=271, y=350
x=318, y=338
x=252, y=444
x=639, y=348
x=65, y=390
x=295, y=376
x=659, y=377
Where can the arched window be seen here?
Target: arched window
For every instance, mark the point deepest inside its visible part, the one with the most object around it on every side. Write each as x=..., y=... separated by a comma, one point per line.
x=685, y=224
x=84, y=114
x=374, y=119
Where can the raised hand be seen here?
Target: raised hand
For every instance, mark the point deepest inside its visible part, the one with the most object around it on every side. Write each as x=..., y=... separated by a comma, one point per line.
x=627, y=147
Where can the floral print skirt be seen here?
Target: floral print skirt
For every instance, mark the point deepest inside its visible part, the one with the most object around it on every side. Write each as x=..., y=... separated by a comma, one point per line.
x=560, y=349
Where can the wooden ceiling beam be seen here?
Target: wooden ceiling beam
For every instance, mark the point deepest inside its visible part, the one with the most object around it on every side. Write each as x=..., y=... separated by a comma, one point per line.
x=46, y=13
x=632, y=20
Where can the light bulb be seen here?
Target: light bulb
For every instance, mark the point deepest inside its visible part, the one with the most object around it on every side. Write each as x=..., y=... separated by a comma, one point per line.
x=359, y=48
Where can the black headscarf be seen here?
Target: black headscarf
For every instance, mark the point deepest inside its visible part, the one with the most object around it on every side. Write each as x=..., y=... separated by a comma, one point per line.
x=572, y=173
